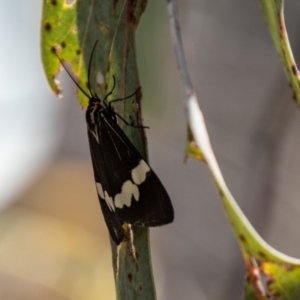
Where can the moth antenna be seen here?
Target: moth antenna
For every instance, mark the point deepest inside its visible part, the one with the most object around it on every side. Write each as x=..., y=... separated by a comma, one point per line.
x=90, y=67
x=111, y=91
x=80, y=88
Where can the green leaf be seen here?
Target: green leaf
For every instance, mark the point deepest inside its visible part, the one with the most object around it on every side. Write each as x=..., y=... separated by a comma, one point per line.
x=71, y=31
x=274, y=16
x=283, y=280
x=264, y=263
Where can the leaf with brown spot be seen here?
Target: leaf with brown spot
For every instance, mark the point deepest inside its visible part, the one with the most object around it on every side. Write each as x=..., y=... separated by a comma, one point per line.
x=72, y=30
x=192, y=150
x=282, y=280
x=273, y=13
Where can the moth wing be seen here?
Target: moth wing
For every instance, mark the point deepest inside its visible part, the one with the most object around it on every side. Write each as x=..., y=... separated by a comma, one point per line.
x=131, y=191
x=101, y=174
x=152, y=206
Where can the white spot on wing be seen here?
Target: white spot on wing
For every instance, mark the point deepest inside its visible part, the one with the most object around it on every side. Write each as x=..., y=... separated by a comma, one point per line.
x=100, y=190
x=104, y=196
x=139, y=173
x=109, y=201
x=124, y=198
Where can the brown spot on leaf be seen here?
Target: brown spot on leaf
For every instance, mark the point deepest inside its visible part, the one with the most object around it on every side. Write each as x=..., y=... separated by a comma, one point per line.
x=53, y=49
x=281, y=24
x=261, y=254
x=222, y=195
x=63, y=44
x=276, y=295
x=242, y=238
x=140, y=287
x=294, y=70
x=53, y=2
x=290, y=268
x=129, y=276
x=48, y=26
x=78, y=51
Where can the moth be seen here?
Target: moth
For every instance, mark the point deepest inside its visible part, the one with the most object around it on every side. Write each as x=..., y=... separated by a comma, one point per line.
x=128, y=189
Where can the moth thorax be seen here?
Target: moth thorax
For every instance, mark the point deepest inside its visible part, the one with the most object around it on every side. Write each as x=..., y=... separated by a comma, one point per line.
x=92, y=115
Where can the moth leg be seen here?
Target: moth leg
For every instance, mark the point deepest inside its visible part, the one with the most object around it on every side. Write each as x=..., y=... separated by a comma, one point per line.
x=127, y=123
x=130, y=239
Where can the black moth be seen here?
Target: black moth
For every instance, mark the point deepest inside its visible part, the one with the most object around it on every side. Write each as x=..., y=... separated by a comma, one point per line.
x=128, y=190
